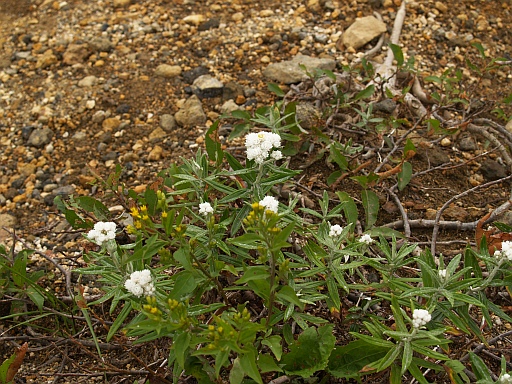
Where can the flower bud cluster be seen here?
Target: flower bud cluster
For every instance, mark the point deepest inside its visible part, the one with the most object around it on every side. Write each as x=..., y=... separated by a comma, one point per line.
x=151, y=308
x=420, y=317
x=102, y=232
x=506, y=379
x=140, y=283
x=335, y=230
x=506, y=251
x=205, y=209
x=443, y=273
x=260, y=144
x=366, y=239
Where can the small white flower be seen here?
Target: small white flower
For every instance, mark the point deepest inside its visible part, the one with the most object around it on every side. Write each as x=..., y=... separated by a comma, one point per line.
x=205, y=208
x=270, y=203
x=366, y=238
x=506, y=249
x=140, y=283
x=420, y=317
x=276, y=155
x=506, y=379
x=103, y=231
x=260, y=144
x=443, y=273
x=335, y=230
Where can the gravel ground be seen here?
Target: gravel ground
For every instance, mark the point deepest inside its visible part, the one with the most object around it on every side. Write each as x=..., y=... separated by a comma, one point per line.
x=85, y=85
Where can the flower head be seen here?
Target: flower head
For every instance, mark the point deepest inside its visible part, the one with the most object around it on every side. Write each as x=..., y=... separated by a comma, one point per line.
x=506, y=379
x=270, y=203
x=506, y=250
x=443, y=273
x=335, y=230
x=260, y=144
x=139, y=283
x=205, y=208
x=102, y=231
x=366, y=238
x=420, y=317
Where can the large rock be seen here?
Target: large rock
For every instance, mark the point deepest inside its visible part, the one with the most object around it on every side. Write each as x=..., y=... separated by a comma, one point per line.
x=191, y=114
x=167, y=71
x=40, y=137
x=289, y=72
x=207, y=86
x=362, y=31
x=76, y=54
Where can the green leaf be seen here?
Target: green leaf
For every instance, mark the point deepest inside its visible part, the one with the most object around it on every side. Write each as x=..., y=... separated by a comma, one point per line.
x=310, y=352
x=180, y=346
x=236, y=374
x=371, y=206
x=349, y=207
x=90, y=204
x=348, y=360
x=267, y=364
x=338, y=157
x=480, y=368
x=247, y=240
x=287, y=294
x=127, y=308
x=274, y=343
x=248, y=363
x=406, y=357
x=212, y=143
x=405, y=175
x=254, y=273
x=148, y=250
x=365, y=93
x=19, y=268
x=184, y=284
x=5, y=367
x=273, y=87
x=397, y=53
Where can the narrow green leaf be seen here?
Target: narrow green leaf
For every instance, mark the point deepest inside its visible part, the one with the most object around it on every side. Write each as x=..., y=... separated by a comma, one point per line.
x=180, y=346
x=371, y=206
x=272, y=87
x=348, y=360
x=397, y=53
x=479, y=368
x=236, y=374
x=248, y=363
x=405, y=175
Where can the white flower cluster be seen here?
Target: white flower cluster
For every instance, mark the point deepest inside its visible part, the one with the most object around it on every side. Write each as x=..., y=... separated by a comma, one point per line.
x=205, y=209
x=335, y=230
x=366, y=238
x=260, y=144
x=140, y=283
x=420, y=317
x=443, y=273
x=506, y=251
x=103, y=231
x=270, y=203
x=506, y=379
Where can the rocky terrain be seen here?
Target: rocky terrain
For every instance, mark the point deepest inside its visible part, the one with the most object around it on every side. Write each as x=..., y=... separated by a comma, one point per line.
x=86, y=85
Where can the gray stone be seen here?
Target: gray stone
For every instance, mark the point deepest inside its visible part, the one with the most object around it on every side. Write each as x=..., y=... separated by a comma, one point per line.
x=191, y=114
x=232, y=90
x=98, y=116
x=492, y=170
x=76, y=54
x=64, y=190
x=167, y=71
x=168, y=122
x=40, y=137
x=289, y=72
x=88, y=81
x=307, y=115
x=467, y=143
x=207, y=86
x=229, y=106
x=434, y=156
x=362, y=31
x=100, y=44
x=386, y=106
